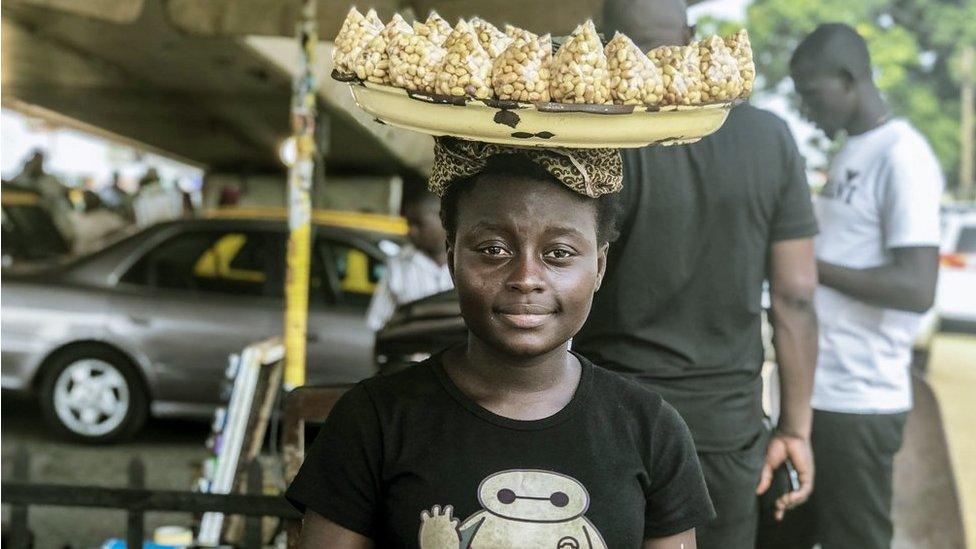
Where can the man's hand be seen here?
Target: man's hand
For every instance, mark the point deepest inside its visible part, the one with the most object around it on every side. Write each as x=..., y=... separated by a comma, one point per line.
x=783, y=446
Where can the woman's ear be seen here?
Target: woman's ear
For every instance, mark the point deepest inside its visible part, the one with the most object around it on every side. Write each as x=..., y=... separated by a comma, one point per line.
x=601, y=265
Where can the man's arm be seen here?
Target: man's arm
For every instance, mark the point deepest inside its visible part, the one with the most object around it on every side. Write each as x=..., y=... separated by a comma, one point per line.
x=907, y=283
x=792, y=281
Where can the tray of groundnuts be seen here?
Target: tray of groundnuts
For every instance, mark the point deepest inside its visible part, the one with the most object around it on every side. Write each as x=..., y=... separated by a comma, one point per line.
x=476, y=81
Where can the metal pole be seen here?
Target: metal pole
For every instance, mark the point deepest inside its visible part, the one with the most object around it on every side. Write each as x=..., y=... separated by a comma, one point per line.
x=966, y=126
x=299, y=200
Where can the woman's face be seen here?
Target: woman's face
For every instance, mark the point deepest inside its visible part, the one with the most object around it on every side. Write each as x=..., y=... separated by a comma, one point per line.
x=526, y=263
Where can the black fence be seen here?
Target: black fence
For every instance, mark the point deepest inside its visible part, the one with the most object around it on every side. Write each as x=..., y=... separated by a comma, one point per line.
x=136, y=500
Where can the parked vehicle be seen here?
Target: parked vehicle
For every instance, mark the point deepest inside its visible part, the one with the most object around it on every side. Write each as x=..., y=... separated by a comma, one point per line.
x=955, y=301
x=419, y=329
x=145, y=325
x=29, y=233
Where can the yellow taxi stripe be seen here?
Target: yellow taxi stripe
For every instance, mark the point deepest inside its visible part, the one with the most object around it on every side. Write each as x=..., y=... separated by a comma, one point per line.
x=333, y=218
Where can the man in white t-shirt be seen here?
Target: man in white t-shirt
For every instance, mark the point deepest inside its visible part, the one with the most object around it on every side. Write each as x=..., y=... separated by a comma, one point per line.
x=877, y=257
x=420, y=269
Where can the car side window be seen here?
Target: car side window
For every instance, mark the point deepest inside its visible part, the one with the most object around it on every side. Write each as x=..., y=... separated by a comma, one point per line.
x=967, y=241
x=207, y=261
x=343, y=273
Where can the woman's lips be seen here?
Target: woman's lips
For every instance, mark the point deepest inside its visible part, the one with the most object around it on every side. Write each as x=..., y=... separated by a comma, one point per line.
x=525, y=321
x=525, y=315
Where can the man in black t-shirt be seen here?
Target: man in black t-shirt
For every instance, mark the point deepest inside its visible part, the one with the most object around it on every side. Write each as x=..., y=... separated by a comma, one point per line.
x=680, y=308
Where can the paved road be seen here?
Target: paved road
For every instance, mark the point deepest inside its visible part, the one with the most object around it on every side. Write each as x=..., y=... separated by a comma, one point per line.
x=172, y=451
x=952, y=374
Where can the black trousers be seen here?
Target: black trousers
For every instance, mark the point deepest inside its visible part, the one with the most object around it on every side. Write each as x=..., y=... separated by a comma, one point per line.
x=851, y=501
x=732, y=478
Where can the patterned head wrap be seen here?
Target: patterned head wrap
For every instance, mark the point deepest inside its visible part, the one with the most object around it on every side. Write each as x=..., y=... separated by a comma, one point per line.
x=590, y=172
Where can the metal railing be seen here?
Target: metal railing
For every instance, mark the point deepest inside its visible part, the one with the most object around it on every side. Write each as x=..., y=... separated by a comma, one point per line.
x=136, y=500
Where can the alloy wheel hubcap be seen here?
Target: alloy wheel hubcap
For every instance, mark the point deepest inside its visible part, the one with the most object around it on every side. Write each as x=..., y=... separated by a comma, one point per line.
x=91, y=397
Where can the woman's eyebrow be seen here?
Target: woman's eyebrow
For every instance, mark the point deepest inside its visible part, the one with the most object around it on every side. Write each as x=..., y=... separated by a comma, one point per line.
x=489, y=226
x=563, y=230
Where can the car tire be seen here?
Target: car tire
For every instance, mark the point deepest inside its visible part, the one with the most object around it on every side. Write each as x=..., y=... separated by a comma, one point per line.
x=93, y=394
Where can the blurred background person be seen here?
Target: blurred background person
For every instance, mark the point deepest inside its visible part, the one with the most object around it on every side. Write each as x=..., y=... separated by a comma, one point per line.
x=54, y=195
x=116, y=198
x=680, y=309
x=93, y=223
x=420, y=269
x=878, y=259
x=154, y=203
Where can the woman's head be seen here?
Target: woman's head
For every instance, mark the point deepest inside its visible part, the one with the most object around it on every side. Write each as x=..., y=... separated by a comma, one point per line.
x=526, y=252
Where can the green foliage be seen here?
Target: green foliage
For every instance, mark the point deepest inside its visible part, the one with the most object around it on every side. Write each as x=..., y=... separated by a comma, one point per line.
x=913, y=45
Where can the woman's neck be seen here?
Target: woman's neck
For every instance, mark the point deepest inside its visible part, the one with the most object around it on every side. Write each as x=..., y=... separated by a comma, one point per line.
x=515, y=387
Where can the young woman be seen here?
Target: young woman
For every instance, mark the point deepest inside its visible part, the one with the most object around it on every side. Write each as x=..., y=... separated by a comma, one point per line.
x=510, y=440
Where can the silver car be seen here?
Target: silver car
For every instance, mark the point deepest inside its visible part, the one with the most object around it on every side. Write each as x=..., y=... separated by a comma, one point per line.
x=145, y=325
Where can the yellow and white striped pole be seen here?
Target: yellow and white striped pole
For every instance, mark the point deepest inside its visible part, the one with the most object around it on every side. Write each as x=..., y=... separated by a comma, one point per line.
x=303, y=111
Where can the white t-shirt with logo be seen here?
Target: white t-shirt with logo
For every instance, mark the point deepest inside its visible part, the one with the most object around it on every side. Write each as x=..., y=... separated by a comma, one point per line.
x=883, y=192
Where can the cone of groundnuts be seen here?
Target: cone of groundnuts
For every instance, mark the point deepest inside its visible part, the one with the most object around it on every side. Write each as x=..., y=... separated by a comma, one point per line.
x=579, y=69
x=681, y=68
x=476, y=59
x=466, y=69
x=634, y=78
x=522, y=71
x=414, y=60
x=373, y=62
x=721, y=80
x=741, y=49
x=356, y=33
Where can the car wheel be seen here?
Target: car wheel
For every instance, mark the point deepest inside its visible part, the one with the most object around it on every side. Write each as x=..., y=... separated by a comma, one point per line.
x=93, y=394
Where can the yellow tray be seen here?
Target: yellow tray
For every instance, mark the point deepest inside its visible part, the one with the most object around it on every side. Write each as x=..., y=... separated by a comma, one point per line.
x=539, y=124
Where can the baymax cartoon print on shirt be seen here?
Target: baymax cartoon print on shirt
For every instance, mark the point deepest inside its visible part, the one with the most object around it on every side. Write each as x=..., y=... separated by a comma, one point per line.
x=520, y=508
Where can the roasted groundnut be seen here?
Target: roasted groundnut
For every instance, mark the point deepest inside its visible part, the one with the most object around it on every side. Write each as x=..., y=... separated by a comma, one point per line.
x=373, y=63
x=634, y=79
x=521, y=72
x=742, y=51
x=414, y=61
x=579, y=69
x=355, y=34
x=720, y=71
x=492, y=40
x=466, y=69
x=681, y=70
x=434, y=29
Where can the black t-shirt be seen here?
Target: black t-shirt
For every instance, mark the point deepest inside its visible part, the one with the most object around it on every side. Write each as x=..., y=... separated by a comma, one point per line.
x=615, y=466
x=680, y=305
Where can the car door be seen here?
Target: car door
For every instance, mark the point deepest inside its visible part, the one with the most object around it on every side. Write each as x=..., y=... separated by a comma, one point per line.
x=194, y=299
x=344, y=273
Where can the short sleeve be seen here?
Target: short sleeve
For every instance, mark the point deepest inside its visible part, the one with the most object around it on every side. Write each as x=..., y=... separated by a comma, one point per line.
x=912, y=191
x=677, y=499
x=340, y=478
x=793, y=217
